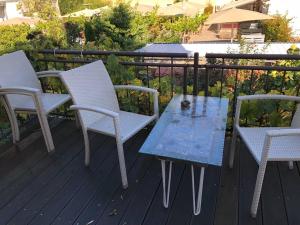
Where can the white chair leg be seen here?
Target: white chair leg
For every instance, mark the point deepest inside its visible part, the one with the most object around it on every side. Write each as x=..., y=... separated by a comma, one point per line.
x=46, y=131
x=77, y=121
x=122, y=163
x=15, y=128
x=86, y=147
x=258, y=187
x=291, y=165
x=232, y=148
x=13, y=121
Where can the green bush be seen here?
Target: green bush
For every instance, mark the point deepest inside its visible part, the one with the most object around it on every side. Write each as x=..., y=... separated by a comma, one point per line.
x=278, y=29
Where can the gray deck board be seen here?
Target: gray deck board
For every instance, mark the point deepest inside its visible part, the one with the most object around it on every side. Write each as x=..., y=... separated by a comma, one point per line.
x=36, y=188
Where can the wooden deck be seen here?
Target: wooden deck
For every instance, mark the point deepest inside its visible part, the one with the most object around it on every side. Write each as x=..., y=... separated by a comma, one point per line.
x=36, y=188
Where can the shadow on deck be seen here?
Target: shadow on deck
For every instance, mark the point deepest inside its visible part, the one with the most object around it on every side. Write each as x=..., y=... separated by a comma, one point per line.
x=39, y=189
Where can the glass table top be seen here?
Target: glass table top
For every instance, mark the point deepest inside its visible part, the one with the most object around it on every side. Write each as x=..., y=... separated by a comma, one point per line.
x=195, y=135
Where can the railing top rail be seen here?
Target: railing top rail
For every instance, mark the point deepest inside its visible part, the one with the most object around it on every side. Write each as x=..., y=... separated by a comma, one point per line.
x=245, y=67
x=82, y=61
x=252, y=56
x=118, y=53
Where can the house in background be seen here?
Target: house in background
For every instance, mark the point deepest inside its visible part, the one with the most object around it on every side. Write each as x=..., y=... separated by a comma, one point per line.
x=9, y=9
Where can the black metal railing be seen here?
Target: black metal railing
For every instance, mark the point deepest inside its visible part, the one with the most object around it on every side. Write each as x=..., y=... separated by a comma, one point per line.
x=231, y=75
x=221, y=75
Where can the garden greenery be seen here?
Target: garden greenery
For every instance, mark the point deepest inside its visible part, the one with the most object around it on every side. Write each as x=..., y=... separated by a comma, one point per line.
x=122, y=28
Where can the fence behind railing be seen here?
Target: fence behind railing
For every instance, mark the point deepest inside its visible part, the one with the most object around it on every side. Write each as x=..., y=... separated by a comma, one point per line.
x=219, y=75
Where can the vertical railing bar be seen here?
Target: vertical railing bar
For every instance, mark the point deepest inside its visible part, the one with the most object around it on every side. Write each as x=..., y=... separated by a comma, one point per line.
x=267, y=81
x=298, y=85
x=251, y=82
x=159, y=72
x=148, y=85
x=206, y=81
x=283, y=81
x=185, y=80
x=172, y=76
x=234, y=96
x=195, y=78
x=222, y=78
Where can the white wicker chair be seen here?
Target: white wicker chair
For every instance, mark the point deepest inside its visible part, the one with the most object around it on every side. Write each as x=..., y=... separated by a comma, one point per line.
x=95, y=99
x=267, y=143
x=20, y=91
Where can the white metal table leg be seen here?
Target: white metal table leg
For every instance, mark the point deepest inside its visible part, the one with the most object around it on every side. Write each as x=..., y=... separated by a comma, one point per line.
x=198, y=199
x=166, y=190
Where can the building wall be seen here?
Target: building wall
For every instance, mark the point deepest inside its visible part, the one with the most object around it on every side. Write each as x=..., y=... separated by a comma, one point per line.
x=11, y=10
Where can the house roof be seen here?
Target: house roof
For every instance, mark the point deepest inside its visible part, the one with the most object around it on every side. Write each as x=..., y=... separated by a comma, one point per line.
x=235, y=15
x=216, y=47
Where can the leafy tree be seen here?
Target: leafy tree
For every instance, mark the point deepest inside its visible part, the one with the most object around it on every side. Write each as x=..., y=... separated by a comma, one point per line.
x=185, y=25
x=278, y=29
x=69, y=6
x=117, y=72
x=208, y=9
x=12, y=37
x=121, y=17
x=44, y=9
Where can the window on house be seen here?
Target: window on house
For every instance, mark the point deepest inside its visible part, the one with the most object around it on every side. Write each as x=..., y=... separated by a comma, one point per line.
x=2, y=11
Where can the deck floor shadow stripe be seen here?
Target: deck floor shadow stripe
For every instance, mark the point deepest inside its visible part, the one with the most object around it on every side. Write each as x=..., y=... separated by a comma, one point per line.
x=157, y=213
x=40, y=181
x=103, y=194
x=34, y=206
x=50, y=211
x=290, y=181
x=143, y=197
x=120, y=199
x=228, y=190
x=16, y=168
x=248, y=173
x=273, y=205
x=182, y=209
x=26, y=178
x=73, y=208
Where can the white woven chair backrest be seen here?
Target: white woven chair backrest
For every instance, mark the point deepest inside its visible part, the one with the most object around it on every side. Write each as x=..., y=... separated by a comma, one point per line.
x=91, y=85
x=296, y=118
x=16, y=70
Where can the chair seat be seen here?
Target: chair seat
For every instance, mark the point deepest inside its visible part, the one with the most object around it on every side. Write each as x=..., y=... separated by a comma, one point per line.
x=50, y=102
x=130, y=124
x=282, y=148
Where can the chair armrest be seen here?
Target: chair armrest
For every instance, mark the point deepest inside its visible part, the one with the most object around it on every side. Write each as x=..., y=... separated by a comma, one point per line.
x=113, y=115
x=19, y=90
x=273, y=134
x=95, y=109
x=283, y=132
x=135, y=88
x=144, y=89
x=269, y=97
x=32, y=92
x=49, y=73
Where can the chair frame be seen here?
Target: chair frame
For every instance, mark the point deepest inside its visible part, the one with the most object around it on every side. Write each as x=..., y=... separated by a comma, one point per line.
x=267, y=142
x=35, y=94
x=116, y=121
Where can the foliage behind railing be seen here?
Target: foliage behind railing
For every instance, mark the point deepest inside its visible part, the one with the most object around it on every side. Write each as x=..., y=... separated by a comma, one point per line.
x=223, y=75
x=232, y=75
